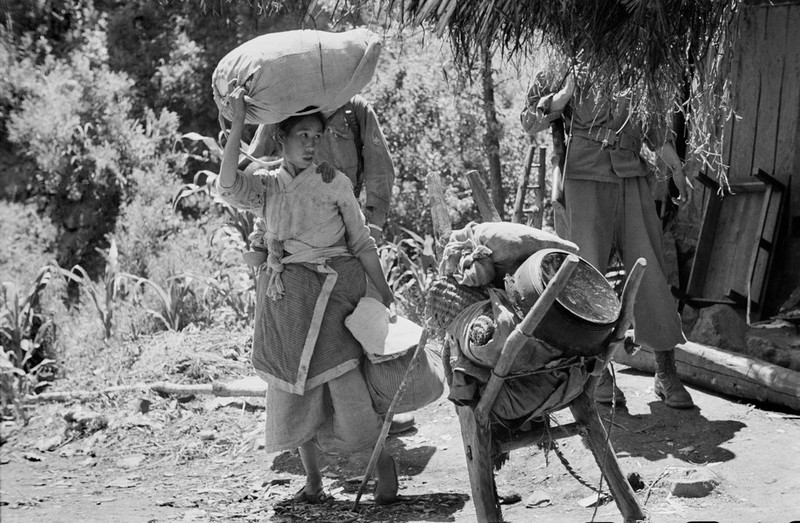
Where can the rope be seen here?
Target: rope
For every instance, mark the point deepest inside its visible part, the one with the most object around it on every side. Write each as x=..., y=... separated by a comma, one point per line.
x=563, y=459
x=565, y=462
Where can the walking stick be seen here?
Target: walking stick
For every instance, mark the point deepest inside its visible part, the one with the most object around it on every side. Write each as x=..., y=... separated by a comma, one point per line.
x=373, y=460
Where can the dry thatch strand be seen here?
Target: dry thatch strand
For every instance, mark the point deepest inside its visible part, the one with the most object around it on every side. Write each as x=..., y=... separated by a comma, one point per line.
x=668, y=56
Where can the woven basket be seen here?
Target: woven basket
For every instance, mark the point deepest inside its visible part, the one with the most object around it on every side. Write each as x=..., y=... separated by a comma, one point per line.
x=447, y=299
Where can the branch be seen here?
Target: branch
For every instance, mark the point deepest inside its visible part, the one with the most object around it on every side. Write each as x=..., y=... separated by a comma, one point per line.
x=252, y=386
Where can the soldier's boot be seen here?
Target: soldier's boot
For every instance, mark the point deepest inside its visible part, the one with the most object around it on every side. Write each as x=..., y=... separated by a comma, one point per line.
x=668, y=385
x=607, y=392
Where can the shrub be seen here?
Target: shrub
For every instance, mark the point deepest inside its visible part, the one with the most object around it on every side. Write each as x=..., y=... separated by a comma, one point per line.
x=433, y=121
x=73, y=122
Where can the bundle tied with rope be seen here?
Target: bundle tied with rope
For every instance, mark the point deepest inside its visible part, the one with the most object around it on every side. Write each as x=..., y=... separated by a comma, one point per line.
x=282, y=74
x=477, y=320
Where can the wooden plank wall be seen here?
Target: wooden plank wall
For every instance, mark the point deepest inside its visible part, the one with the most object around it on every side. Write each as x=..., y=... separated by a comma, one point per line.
x=765, y=134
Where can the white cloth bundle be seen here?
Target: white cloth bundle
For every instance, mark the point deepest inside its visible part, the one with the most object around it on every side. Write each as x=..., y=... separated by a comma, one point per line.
x=284, y=73
x=381, y=339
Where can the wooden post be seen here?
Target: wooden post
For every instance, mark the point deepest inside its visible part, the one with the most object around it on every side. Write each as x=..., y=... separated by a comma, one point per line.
x=477, y=438
x=482, y=199
x=522, y=187
x=583, y=410
x=439, y=215
x=617, y=337
x=538, y=217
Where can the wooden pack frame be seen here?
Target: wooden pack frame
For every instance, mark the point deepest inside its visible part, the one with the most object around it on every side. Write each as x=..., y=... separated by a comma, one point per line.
x=476, y=431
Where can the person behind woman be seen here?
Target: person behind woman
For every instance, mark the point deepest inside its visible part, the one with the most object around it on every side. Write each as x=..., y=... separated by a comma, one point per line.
x=319, y=250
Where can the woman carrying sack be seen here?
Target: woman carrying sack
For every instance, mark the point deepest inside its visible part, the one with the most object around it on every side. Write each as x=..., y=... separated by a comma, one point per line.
x=318, y=256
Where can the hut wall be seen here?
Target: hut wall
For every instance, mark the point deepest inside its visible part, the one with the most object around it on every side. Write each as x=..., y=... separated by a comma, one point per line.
x=766, y=133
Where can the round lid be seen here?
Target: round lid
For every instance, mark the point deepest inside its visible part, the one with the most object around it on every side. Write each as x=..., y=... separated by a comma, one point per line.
x=587, y=295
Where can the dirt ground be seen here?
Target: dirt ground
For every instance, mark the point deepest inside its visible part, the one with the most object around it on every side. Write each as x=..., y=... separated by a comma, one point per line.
x=197, y=458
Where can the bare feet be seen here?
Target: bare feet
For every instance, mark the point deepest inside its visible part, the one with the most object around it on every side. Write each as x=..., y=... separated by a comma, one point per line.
x=387, y=484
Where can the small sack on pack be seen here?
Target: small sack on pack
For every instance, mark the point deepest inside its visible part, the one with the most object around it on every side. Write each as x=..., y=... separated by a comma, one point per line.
x=508, y=244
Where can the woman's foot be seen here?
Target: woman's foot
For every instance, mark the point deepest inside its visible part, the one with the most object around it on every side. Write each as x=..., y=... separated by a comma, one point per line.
x=387, y=484
x=310, y=494
x=401, y=423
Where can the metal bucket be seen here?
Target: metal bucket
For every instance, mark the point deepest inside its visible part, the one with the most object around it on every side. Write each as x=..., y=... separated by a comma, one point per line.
x=584, y=314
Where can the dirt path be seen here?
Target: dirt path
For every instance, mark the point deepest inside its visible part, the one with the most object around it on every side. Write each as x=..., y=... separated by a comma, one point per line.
x=195, y=460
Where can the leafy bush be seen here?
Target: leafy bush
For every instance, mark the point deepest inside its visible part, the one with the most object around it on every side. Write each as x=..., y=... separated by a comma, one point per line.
x=73, y=121
x=433, y=121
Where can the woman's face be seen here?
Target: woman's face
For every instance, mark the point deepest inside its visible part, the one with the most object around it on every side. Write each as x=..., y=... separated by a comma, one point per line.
x=301, y=142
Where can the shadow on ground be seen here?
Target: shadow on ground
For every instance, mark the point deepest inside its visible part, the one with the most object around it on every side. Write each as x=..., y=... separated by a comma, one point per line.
x=426, y=507
x=343, y=474
x=665, y=432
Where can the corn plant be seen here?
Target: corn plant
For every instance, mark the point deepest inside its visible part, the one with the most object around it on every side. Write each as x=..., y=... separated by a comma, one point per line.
x=24, y=334
x=235, y=290
x=20, y=320
x=174, y=299
x=105, y=299
x=409, y=282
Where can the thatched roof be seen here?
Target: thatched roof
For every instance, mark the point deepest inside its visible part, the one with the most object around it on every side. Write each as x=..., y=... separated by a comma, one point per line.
x=636, y=39
x=663, y=52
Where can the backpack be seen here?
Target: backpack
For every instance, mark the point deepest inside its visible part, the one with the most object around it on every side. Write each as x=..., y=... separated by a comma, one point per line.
x=352, y=122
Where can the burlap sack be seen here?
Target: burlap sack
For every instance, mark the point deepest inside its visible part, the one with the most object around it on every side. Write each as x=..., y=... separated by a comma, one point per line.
x=284, y=73
x=509, y=244
x=424, y=385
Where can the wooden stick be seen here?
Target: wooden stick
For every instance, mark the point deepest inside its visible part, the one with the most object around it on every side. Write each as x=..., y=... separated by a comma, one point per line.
x=617, y=338
x=536, y=219
x=439, y=215
x=387, y=422
x=482, y=199
x=583, y=410
x=245, y=387
x=516, y=340
x=522, y=186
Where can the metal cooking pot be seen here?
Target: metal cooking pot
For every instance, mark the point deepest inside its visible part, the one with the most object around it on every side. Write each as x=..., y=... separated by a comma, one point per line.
x=584, y=314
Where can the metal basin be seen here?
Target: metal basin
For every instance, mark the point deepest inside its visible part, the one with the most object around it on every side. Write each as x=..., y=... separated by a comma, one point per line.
x=584, y=314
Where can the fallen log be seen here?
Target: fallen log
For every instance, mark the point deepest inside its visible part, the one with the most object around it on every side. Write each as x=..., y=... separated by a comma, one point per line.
x=248, y=387
x=726, y=372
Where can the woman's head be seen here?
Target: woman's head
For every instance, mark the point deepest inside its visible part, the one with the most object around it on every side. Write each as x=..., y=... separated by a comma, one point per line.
x=299, y=136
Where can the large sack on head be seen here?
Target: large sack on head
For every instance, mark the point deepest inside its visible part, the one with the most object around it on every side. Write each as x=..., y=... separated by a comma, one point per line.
x=505, y=244
x=284, y=73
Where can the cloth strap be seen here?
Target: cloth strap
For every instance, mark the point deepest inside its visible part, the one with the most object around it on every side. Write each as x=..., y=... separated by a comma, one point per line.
x=609, y=138
x=277, y=260
x=316, y=258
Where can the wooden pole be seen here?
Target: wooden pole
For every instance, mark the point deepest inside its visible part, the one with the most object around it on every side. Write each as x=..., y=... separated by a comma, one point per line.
x=522, y=187
x=387, y=421
x=253, y=387
x=538, y=217
x=584, y=412
x=482, y=199
x=477, y=438
x=439, y=215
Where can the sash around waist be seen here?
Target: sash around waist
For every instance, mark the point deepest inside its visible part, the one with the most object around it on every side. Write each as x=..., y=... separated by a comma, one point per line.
x=608, y=138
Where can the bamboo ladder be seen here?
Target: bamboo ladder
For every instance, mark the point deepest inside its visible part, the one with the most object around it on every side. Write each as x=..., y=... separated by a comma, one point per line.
x=476, y=432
